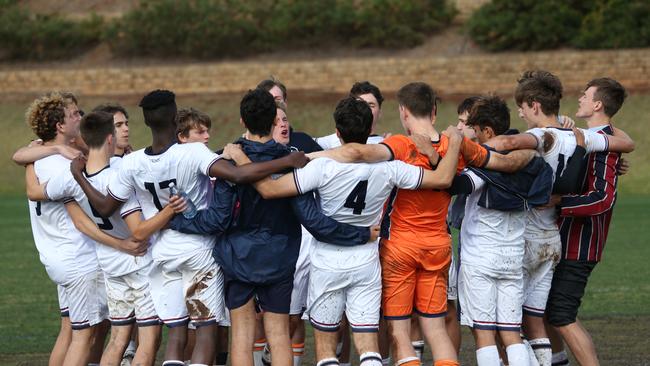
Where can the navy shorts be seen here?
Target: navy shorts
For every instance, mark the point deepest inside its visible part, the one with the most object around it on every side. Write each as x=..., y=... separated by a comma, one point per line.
x=567, y=289
x=272, y=297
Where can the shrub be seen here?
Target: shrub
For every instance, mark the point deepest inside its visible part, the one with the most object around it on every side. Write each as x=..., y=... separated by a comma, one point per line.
x=616, y=24
x=44, y=37
x=525, y=24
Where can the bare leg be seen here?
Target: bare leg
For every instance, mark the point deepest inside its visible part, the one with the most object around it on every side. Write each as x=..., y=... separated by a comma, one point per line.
x=99, y=338
x=436, y=336
x=384, y=339
x=243, y=334
x=400, y=335
x=120, y=336
x=189, y=346
x=276, y=327
x=62, y=343
x=222, y=341
x=206, y=337
x=325, y=344
x=79, y=349
x=580, y=343
x=366, y=342
x=148, y=343
x=453, y=325
x=176, y=340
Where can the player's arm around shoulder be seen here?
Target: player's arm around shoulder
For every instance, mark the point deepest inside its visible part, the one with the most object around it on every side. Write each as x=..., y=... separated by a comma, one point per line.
x=356, y=153
x=620, y=141
x=514, y=142
x=442, y=177
x=35, y=191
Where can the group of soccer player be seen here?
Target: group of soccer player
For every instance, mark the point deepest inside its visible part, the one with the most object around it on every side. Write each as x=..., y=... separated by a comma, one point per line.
x=349, y=231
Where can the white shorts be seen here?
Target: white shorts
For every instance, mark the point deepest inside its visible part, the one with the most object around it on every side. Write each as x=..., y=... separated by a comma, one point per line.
x=490, y=300
x=63, y=301
x=357, y=292
x=188, y=288
x=541, y=255
x=301, y=276
x=452, y=284
x=129, y=299
x=86, y=295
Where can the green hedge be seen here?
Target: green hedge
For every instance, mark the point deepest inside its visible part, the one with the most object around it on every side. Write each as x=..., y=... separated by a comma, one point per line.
x=223, y=28
x=547, y=24
x=44, y=37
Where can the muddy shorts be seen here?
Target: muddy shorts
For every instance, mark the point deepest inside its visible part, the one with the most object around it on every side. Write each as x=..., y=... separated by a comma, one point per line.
x=86, y=296
x=357, y=292
x=541, y=255
x=188, y=289
x=489, y=299
x=129, y=299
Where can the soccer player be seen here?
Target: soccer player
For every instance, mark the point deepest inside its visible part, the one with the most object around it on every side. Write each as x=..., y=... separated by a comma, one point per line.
x=347, y=279
x=259, y=250
x=370, y=94
x=185, y=280
x=490, y=279
x=584, y=221
x=415, y=234
x=129, y=299
x=538, y=96
x=68, y=256
x=121, y=121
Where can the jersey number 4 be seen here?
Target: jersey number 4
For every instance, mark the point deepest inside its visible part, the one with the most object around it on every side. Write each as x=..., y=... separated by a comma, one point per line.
x=151, y=187
x=357, y=198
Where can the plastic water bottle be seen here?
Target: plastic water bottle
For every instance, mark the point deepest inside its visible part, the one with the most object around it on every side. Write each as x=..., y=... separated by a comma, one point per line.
x=191, y=210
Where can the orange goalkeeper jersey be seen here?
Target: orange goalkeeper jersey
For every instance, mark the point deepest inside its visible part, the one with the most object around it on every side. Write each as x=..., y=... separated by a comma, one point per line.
x=418, y=218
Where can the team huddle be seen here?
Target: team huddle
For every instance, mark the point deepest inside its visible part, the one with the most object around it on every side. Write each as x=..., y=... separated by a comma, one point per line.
x=233, y=251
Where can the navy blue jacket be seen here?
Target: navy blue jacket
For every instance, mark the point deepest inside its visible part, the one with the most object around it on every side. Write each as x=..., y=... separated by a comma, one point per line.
x=258, y=240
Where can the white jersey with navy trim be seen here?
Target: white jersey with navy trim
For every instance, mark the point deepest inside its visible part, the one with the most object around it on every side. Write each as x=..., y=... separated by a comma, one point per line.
x=353, y=194
x=112, y=261
x=491, y=239
x=187, y=166
x=332, y=141
x=564, y=145
x=61, y=247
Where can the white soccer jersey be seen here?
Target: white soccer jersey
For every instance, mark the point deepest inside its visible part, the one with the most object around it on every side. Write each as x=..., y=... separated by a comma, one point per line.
x=187, y=166
x=353, y=194
x=564, y=144
x=61, y=247
x=112, y=261
x=332, y=141
x=490, y=238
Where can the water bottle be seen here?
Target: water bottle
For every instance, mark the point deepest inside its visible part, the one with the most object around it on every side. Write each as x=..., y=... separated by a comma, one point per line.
x=190, y=211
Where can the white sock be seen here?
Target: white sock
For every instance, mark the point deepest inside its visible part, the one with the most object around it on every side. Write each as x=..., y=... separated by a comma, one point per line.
x=370, y=359
x=386, y=361
x=298, y=352
x=130, y=348
x=173, y=363
x=532, y=359
x=542, y=349
x=266, y=355
x=418, y=346
x=258, y=349
x=487, y=356
x=560, y=359
x=328, y=362
x=405, y=360
x=517, y=355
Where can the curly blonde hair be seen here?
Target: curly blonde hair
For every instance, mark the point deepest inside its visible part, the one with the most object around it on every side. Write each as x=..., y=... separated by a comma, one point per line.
x=45, y=112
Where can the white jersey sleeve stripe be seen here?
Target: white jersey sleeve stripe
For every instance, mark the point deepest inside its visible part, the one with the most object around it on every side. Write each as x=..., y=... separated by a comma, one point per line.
x=68, y=200
x=128, y=212
x=420, y=179
x=295, y=180
x=116, y=197
x=207, y=170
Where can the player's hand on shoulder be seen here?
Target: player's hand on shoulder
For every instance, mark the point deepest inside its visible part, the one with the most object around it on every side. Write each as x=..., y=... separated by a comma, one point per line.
x=386, y=135
x=374, y=233
x=134, y=247
x=69, y=152
x=298, y=159
x=453, y=133
x=77, y=165
x=230, y=151
x=423, y=144
x=37, y=142
x=580, y=136
x=567, y=122
x=177, y=203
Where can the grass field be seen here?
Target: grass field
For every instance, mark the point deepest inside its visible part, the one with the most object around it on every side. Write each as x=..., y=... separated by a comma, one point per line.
x=616, y=307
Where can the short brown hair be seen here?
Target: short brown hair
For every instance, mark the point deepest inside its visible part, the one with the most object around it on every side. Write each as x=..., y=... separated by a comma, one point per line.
x=45, y=112
x=95, y=126
x=419, y=98
x=189, y=118
x=490, y=111
x=609, y=92
x=272, y=81
x=542, y=87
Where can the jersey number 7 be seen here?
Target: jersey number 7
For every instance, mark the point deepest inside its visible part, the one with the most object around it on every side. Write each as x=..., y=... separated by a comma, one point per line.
x=151, y=187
